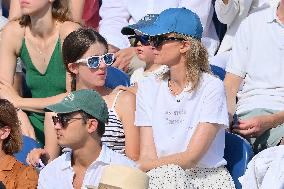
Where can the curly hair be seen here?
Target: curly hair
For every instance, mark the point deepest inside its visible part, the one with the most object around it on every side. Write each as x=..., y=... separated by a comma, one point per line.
x=76, y=44
x=196, y=61
x=60, y=12
x=8, y=117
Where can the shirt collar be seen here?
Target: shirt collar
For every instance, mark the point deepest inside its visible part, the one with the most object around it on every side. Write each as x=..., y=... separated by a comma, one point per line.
x=7, y=163
x=104, y=158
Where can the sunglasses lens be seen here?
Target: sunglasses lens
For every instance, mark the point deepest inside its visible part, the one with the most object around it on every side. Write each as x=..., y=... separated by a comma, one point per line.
x=94, y=62
x=144, y=39
x=109, y=59
x=55, y=120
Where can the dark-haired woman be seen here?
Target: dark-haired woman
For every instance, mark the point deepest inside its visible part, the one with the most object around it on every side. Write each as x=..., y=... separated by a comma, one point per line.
x=13, y=174
x=86, y=59
x=36, y=38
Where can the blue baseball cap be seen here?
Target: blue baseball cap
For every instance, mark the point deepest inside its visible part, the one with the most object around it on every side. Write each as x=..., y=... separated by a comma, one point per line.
x=145, y=21
x=174, y=20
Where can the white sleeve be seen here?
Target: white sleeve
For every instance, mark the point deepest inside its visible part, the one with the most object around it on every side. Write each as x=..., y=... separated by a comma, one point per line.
x=240, y=51
x=114, y=16
x=214, y=107
x=202, y=8
x=227, y=13
x=144, y=99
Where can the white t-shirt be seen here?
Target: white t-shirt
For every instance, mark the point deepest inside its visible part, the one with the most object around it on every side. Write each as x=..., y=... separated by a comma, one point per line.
x=265, y=170
x=175, y=118
x=59, y=173
x=258, y=57
x=140, y=74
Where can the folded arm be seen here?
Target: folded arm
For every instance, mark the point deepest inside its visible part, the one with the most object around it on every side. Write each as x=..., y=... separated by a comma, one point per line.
x=197, y=147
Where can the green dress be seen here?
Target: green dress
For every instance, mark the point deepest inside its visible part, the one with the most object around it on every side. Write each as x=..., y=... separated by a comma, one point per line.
x=51, y=83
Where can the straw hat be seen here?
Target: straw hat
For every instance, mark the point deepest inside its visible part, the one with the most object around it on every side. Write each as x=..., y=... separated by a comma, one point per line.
x=122, y=177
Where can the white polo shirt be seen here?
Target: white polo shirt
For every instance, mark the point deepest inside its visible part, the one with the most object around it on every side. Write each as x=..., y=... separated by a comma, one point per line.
x=59, y=173
x=175, y=118
x=258, y=57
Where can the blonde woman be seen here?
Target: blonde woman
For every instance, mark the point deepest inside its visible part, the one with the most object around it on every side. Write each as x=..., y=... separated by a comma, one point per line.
x=183, y=116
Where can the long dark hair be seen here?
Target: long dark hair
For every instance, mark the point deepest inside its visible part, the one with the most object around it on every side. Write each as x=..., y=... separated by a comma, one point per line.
x=60, y=12
x=76, y=44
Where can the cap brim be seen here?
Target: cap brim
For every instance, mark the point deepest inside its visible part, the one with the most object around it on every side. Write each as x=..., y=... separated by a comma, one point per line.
x=129, y=30
x=61, y=108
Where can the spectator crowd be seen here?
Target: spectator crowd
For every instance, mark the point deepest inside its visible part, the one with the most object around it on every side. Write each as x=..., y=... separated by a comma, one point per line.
x=164, y=130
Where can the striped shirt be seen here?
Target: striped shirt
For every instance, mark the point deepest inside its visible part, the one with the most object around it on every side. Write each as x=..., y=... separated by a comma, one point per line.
x=114, y=137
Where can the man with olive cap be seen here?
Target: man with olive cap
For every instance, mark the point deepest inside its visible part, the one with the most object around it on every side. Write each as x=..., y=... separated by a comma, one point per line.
x=80, y=124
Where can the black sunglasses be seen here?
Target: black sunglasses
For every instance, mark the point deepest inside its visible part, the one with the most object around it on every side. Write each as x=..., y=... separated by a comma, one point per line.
x=157, y=41
x=143, y=39
x=63, y=119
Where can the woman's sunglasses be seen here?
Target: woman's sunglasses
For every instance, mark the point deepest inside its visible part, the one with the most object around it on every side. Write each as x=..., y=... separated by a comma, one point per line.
x=157, y=41
x=143, y=39
x=62, y=119
x=94, y=61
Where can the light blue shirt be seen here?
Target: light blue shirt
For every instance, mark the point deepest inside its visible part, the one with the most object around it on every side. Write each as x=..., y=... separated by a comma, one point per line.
x=59, y=173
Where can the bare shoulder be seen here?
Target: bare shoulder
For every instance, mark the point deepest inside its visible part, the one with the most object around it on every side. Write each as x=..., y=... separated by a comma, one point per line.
x=13, y=32
x=67, y=27
x=127, y=97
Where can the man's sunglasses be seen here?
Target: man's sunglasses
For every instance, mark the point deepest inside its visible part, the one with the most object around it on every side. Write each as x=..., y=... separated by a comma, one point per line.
x=143, y=39
x=94, y=61
x=157, y=41
x=62, y=119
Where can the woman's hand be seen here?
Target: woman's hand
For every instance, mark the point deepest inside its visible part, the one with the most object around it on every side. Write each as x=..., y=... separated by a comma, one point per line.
x=144, y=165
x=8, y=92
x=36, y=154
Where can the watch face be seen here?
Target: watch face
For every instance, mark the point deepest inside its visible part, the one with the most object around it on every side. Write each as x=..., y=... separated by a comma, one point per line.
x=106, y=186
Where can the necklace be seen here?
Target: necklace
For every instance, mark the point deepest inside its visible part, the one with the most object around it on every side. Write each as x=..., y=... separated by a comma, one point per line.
x=170, y=85
x=46, y=44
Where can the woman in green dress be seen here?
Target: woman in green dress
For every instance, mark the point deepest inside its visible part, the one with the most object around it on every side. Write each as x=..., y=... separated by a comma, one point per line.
x=36, y=38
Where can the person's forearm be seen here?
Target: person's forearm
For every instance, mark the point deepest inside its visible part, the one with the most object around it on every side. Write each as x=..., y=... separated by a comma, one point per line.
x=38, y=104
x=181, y=159
x=277, y=118
x=232, y=83
x=14, y=10
x=231, y=103
x=77, y=7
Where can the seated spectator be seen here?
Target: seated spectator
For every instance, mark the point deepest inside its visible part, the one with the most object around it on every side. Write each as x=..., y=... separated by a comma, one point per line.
x=36, y=38
x=80, y=125
x=183, y=115
x=86, y=12
x=265, y=170
x=232, y=13
x=258, y=64
x=13, y=174
x=117, y=14
x=144, y=51
x=86, y=59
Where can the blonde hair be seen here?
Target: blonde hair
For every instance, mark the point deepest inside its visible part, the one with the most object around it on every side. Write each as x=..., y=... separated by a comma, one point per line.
x=196, y=61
